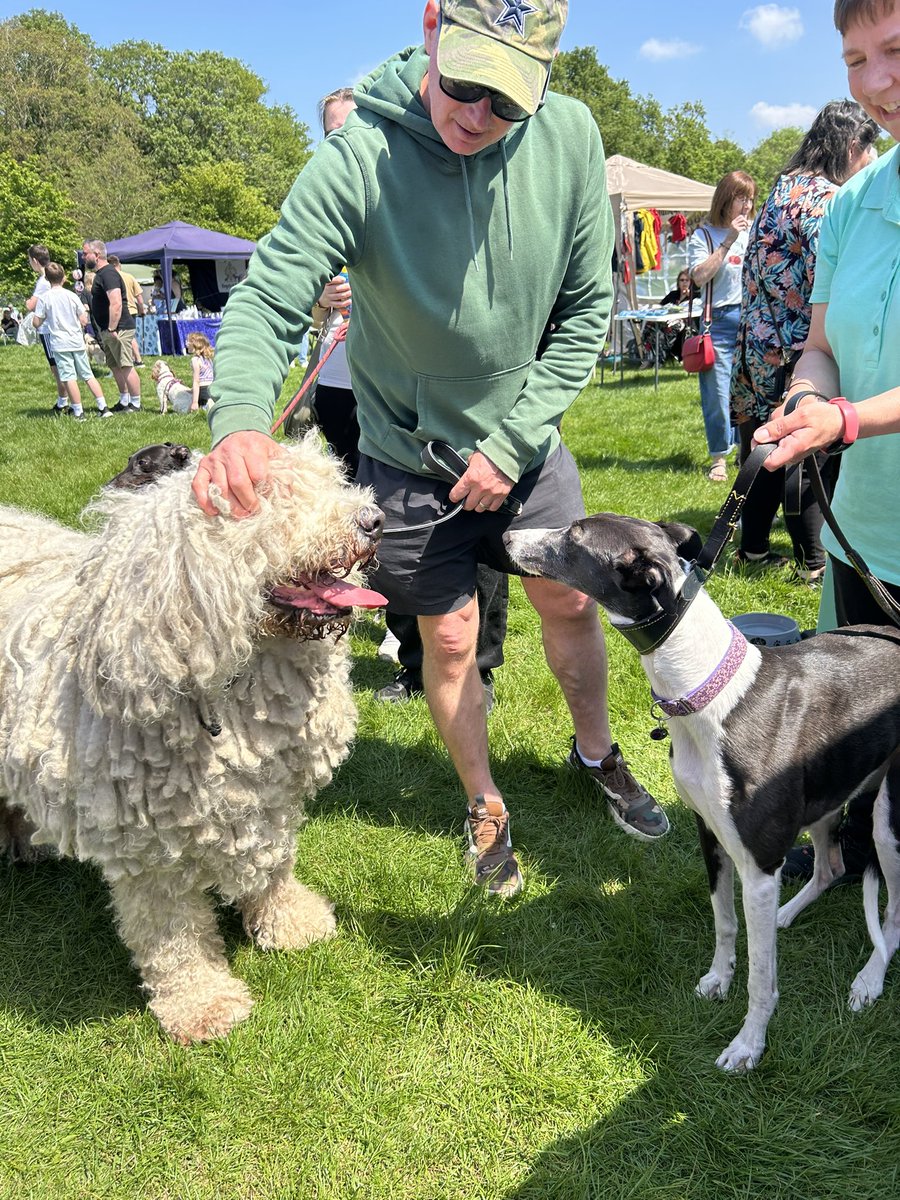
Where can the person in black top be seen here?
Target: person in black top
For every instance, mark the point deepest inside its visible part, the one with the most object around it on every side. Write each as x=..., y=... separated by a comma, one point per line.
x=113, y=324
x=684, y=292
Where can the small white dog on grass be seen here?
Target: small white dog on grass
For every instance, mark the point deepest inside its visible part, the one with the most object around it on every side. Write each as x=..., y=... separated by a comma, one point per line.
x=170, y=391
x=171, y=688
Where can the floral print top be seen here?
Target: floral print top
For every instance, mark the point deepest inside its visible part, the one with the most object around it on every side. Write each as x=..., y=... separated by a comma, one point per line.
x=781, y=255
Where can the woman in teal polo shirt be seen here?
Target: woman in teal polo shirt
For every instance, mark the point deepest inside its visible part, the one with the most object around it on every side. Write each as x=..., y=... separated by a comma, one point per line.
x=851, y=360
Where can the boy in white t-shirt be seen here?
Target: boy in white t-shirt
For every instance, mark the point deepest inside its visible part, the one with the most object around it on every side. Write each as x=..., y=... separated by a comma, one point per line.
x=63, y=317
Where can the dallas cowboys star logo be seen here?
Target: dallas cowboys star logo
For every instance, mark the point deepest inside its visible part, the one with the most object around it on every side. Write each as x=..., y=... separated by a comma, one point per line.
x=514, y=13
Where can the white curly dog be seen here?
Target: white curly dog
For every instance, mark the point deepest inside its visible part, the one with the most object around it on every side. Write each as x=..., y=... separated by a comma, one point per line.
x=171, y=688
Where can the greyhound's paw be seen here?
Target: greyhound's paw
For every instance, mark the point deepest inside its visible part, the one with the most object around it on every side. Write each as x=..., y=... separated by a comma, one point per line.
x=864, y=992
x=740, y=1056
x=713, y=986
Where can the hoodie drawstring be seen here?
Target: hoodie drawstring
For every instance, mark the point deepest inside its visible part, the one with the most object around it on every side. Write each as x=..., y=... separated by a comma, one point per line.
x=465, y=179
x=509, y=233
x=471, y=215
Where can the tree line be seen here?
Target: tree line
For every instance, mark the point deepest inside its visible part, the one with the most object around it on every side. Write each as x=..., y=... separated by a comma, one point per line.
x=107, y=141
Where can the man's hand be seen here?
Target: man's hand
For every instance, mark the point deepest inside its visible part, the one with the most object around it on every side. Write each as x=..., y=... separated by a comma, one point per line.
x=482, y=487
x=236, y=466
x=811, y=426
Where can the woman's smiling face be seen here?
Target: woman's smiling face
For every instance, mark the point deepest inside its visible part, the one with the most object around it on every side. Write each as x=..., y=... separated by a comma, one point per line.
x=871, y=50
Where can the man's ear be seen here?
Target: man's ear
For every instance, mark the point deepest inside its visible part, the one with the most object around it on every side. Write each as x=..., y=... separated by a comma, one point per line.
x=430, y=23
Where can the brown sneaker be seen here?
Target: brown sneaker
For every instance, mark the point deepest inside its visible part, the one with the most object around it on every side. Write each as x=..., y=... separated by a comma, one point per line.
x=630, y=804
x=489, y=849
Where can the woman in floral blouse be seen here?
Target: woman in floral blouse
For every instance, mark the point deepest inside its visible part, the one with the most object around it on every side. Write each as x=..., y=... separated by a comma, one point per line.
x=778, y=276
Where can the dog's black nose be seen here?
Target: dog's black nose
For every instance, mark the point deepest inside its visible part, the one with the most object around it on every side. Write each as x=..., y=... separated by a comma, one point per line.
x=371, y=522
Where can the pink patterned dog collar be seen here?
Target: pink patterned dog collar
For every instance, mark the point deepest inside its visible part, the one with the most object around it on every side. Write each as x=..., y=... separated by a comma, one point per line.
x=713, y=685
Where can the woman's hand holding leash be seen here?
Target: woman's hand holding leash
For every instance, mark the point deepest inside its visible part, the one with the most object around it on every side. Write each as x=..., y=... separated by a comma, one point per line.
x=811, y=426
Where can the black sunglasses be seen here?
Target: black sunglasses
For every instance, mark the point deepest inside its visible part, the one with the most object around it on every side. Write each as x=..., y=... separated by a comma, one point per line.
x=471, y=93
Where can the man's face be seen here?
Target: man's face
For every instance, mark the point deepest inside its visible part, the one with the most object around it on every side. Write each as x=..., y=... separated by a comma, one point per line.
x=90, y=258
x=463, y=128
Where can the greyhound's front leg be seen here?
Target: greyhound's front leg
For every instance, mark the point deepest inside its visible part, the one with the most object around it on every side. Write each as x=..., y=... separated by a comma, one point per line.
x=715, y=983
x=760, y=893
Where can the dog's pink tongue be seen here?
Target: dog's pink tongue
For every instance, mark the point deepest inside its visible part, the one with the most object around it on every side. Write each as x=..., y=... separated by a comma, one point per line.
x=320, y=597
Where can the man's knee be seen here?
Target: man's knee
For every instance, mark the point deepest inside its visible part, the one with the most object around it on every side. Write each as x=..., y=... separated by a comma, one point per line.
x=451, y=637
x=554, y=602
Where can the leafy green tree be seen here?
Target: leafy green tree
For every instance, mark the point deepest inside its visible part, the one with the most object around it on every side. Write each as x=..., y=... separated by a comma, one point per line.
x=217, y=196
x=202, y=107
x=624, y=121
x=54, y=104
x=31, y=210
x=767, y=160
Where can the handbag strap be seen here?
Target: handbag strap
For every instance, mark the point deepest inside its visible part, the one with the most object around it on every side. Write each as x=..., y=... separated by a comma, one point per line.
x=708, y=290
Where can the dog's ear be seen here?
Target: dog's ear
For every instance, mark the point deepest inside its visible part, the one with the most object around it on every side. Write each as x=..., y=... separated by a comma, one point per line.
x=687, y=541
x=638, y=573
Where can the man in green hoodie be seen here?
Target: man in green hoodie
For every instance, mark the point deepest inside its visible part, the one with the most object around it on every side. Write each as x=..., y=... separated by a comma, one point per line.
x=470, y=206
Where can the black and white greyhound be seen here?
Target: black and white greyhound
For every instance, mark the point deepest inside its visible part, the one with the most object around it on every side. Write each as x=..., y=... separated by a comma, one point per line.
x=765, y=742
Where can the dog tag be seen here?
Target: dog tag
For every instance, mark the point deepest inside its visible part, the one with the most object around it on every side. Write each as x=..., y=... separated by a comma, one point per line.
x=659, y=734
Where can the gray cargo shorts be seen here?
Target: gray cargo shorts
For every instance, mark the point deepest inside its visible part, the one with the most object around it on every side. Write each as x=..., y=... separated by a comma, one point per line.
x=431, y=571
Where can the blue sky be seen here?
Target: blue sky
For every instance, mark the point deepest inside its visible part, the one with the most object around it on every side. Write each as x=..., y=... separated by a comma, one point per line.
x=754, y=67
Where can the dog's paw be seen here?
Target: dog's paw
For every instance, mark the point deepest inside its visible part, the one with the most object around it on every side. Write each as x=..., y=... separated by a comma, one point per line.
x=713, y=986
x=740, y=1056
x=864, y=991
x=292, y=918
x=191, y=1018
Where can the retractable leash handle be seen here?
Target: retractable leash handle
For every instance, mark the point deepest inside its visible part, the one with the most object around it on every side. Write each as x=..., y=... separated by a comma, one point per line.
x=450, y=465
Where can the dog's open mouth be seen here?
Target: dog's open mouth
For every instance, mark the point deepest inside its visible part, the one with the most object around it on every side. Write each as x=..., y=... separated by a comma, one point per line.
x=324, y=596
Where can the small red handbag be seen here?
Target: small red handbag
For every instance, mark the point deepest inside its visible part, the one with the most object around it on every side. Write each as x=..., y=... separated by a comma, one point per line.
x=698, y=353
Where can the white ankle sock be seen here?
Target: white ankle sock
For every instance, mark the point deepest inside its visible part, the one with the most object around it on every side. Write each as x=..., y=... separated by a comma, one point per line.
x=135, y=401
x=590, y=762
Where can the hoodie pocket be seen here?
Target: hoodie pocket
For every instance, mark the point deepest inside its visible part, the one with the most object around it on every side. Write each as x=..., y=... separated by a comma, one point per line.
x=461, y=410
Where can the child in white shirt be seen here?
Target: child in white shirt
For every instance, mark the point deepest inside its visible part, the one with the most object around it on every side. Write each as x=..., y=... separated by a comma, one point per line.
x=64, y=318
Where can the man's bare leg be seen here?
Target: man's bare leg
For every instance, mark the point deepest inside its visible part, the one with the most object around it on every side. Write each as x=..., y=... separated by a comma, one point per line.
x=455, y=695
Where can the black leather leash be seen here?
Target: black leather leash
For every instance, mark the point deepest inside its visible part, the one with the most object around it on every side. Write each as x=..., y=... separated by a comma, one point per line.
x=647, y=635
x=880, y=594
x=448, y=464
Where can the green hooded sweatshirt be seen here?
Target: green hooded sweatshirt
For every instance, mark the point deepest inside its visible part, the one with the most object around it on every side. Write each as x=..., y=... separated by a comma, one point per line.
x=456, y=264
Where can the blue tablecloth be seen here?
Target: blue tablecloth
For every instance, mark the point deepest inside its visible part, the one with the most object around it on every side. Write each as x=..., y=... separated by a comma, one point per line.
x=174, y=333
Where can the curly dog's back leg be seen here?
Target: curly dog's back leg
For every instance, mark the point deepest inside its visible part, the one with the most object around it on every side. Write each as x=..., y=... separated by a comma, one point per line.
x=287, y=915
x=15, y=836
x=176, y=946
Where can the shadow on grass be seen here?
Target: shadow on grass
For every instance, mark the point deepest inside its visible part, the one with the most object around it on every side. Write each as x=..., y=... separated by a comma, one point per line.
x=61, y=960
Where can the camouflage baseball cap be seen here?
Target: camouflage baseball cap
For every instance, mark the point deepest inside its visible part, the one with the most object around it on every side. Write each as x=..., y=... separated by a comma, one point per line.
x=505, y=45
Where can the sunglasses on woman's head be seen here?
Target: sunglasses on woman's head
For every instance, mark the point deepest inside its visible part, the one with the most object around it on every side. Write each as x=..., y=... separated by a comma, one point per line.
x=471, y=93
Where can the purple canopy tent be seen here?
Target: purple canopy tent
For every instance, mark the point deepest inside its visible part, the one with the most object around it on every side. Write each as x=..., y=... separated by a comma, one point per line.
x=182, y=242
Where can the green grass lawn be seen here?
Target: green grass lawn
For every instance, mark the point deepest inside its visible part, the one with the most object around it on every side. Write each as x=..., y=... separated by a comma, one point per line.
x=440, y=1046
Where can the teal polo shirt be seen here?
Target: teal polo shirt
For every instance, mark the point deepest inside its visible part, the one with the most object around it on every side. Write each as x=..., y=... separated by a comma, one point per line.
x=858, y=277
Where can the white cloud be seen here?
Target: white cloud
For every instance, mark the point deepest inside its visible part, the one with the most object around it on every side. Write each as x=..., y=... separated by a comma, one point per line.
x=780, y=116
x=660, y=51
x=772, y=25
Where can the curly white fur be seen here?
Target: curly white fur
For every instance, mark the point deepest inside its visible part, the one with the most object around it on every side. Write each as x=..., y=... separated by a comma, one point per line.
x=120, y=649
